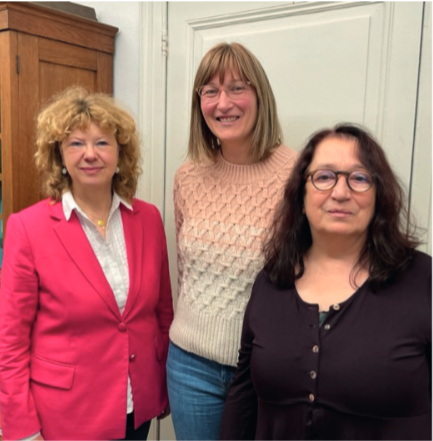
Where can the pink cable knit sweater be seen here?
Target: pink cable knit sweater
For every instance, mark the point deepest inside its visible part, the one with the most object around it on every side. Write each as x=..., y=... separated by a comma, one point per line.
x=222, y=213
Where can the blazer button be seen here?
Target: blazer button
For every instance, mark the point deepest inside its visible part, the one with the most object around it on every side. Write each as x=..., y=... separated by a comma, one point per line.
x=132, y=357
x=122, y=327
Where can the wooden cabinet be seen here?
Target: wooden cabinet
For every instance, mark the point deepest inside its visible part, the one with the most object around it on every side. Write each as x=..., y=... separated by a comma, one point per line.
x=42, y=51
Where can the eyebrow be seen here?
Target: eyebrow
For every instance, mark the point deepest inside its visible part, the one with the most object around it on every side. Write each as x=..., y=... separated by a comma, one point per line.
x=332, y=166
x=213, y=83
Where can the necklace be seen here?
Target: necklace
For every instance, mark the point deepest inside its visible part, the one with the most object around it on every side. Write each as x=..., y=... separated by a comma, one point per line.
x=96, y=220
x=101, y=223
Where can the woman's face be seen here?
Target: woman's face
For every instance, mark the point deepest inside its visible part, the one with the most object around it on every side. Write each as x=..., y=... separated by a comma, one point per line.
x=90, y=157
x=232, y=121
x=338, y=211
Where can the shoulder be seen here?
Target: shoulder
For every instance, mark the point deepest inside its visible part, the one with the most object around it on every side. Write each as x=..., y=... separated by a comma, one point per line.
x=423, y=262
x=266, y=298
x=411, y=293
x=262, y=287
x=35, y=222
x=415, y=282
x=145, y=208
x=419, y=270
x=190, y=171
x=149, y=216
x=419, y=273
x=287, y=153
x=36, y=212
x=282, y=161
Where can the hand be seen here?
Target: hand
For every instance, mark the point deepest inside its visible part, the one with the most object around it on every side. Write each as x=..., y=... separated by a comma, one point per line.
x=39, y=438
x=165, y=413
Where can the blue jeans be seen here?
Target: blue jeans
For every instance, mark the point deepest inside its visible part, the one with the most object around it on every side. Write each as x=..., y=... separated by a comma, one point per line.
x=197, y=390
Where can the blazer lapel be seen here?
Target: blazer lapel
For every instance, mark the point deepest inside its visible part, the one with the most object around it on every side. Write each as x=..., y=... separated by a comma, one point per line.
x=74, y=240
x=133, y=230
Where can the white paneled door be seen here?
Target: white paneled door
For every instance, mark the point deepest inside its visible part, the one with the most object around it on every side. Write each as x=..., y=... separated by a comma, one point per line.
x=327, y=62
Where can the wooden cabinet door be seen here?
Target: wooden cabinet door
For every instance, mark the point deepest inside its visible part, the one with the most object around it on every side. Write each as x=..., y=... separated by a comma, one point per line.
x=46, y=67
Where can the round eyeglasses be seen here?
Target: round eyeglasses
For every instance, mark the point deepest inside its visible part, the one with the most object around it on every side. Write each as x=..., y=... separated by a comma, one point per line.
x=358, y=181
x=234, y=91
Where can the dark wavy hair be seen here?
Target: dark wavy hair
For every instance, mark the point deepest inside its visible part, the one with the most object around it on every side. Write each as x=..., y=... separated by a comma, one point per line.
x=390, y=244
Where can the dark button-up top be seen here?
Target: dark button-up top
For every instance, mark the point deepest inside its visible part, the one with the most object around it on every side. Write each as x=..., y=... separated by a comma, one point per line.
x=363, y=374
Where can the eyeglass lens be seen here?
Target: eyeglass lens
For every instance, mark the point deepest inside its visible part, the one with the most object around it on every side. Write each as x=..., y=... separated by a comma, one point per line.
x=233, y=90
x=327, y=179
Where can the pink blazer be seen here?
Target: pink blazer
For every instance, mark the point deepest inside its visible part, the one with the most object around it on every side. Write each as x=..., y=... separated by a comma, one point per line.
x=65, y=349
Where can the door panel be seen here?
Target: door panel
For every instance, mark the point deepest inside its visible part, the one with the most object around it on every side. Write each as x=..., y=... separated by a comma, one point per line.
x=54, y=78
x=327, y=62
x=47, y=67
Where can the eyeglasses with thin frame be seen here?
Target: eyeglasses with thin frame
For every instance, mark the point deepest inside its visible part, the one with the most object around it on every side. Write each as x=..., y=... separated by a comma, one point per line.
x=235, y=91
x=357, y=181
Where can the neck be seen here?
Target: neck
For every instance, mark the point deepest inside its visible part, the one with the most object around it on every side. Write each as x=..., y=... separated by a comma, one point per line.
x=98, y=203
x=347, y=249
x=237, y=154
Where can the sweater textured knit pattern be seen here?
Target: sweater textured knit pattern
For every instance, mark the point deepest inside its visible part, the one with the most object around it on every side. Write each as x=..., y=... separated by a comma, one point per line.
x=223, y=213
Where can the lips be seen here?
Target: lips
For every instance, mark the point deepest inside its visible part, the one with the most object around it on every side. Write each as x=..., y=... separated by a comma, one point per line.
x=340, y=213
x=90, y=170
x=227, y=119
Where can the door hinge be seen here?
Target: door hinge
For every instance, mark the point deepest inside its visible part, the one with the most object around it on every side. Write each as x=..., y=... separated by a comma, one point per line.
x=18, y=64
x=164, y=43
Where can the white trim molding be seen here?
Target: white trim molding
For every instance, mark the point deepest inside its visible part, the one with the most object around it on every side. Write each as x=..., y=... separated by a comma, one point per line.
x=421, y=188
x=152, y=101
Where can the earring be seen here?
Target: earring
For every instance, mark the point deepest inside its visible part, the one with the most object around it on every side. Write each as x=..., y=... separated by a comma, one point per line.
x=218, y=142
x=64, y=171
x=117, y=170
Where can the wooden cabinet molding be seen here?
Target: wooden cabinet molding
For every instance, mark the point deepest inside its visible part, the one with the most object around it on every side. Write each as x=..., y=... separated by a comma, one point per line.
x=56, y=25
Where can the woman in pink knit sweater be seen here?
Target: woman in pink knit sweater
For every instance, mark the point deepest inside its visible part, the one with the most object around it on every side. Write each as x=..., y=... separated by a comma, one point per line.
x=224, y=198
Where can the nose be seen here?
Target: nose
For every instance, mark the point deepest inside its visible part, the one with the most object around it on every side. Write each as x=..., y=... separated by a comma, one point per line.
x=90, y=152
x=224, y=102
x=341, y=191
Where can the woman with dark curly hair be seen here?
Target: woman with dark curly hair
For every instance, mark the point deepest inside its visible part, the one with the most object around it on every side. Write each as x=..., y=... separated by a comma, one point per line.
x=336, y=341
x=85, y=302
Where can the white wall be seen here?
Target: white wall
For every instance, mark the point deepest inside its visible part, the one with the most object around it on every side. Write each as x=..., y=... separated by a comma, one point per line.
x=126, y=17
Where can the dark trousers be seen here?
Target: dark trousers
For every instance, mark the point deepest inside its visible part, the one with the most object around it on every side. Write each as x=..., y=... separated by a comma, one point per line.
x=136, y=434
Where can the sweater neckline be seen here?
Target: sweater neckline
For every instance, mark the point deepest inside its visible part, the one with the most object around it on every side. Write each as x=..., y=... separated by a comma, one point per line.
x=248, y=173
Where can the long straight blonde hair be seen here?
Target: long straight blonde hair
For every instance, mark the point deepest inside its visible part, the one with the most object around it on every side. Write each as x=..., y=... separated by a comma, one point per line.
x=221, y=59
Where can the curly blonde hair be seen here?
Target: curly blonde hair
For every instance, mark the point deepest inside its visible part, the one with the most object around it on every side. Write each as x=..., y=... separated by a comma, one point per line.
x=76, y=108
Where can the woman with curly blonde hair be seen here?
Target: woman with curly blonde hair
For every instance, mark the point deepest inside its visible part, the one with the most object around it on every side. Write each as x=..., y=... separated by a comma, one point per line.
x=85, y=301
